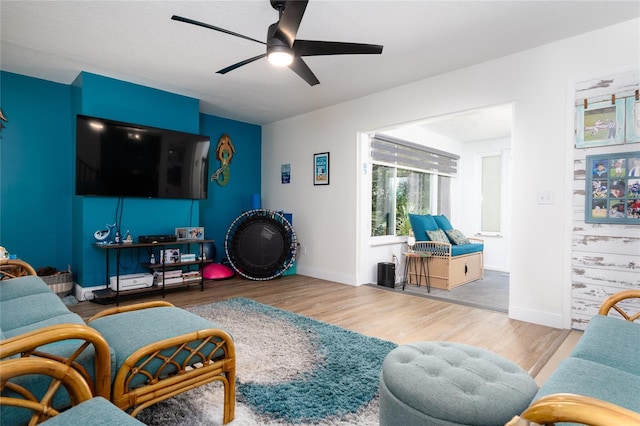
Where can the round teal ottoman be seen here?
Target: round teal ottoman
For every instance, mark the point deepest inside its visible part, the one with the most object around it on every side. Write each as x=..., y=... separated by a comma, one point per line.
x=444, y=383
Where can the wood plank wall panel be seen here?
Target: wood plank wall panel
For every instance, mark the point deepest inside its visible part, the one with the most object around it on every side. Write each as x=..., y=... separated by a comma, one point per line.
x=605, y=258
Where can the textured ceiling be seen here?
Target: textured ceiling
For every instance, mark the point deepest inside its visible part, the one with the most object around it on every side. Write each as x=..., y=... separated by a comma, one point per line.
x=137, y=41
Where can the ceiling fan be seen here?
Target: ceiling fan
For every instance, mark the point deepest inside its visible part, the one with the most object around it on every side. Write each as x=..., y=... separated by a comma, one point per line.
x=284, y=49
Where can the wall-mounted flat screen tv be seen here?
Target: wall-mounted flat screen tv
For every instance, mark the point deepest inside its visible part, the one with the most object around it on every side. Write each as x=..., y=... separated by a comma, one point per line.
x=128, y=160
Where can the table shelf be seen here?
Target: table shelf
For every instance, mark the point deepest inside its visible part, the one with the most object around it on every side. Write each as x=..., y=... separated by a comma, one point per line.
x=108, y=294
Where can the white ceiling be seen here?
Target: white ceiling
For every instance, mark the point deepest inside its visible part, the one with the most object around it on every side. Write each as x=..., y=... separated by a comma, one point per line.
x=136, y=41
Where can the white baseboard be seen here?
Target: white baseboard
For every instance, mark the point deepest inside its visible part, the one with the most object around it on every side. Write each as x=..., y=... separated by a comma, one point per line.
x=85, y=293
x=326, y=275
x=548, y=319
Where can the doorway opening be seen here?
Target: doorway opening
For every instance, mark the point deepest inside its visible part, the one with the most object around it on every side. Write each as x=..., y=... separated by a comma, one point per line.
x=480, y=204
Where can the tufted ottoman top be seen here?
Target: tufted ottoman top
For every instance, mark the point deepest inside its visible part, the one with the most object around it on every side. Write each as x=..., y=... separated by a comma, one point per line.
x=457, y=383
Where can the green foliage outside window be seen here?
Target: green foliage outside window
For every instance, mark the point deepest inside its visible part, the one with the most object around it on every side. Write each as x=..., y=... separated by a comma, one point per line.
x=395, y=193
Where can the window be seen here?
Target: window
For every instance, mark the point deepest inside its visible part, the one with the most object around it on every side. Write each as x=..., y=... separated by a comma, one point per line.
x=491, y=204
x=407, y=178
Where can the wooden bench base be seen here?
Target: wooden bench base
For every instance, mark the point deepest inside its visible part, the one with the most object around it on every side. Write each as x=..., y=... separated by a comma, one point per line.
x=446, y=273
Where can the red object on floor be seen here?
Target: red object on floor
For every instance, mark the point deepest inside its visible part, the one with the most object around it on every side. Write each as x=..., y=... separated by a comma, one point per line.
x=217, y=271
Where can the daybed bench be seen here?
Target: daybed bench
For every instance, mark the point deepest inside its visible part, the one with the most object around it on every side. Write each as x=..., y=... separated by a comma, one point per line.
x=599, y=383
x=134, y=356
x=453, y=258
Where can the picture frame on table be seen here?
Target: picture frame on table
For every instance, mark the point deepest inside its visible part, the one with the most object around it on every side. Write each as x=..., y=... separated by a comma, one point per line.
x=600, y=124
x=321, y=168
x=190, y=233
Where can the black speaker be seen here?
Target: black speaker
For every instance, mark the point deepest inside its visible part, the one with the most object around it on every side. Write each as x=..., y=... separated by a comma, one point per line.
x=387, y=274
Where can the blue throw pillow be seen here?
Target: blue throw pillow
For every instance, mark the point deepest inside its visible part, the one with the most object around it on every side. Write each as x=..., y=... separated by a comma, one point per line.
x=442, y=222
x=457, y=237
x=420, y=224
x=438, y=236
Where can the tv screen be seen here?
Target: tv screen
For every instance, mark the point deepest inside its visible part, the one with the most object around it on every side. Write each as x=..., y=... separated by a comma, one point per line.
x=129, y=160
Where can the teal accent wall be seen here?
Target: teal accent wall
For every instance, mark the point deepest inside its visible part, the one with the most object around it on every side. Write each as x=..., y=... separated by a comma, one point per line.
x=105, y=97
x=226, y=203
x=46, y=224
x=36, y=170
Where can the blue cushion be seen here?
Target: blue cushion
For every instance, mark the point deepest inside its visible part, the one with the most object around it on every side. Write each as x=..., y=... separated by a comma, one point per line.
x=96, y=412
x=583, y=377
x=34, y=311
x=420, y=224
x=458, y=250
x=611, y=341
x=123, y=332
x=442, y=222
x=22, y=286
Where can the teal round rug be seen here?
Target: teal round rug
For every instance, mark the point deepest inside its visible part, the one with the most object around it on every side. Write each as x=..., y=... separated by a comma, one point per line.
x=291, y=369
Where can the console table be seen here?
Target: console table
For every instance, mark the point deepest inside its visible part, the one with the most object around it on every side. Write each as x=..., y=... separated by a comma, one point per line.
x=109, y=294
x=416, y=265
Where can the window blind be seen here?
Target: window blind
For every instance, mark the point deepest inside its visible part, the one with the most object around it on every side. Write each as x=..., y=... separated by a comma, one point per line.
x=390, y=150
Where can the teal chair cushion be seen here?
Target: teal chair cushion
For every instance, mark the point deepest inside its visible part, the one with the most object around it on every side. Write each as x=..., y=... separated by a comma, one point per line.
x=443, y=222
x=95, y=412
x=611, y=341
x=457, y=250
x=420, y=224
x=584, y=377
x=124, y=332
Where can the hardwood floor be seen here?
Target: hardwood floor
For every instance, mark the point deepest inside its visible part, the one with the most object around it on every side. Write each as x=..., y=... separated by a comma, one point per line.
x=398, y=317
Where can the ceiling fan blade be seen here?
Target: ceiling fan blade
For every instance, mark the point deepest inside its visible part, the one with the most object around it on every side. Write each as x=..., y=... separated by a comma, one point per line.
x=316, y=48
x=241, y=63
x=290, y=21
x=211, y=27
x=302, y=69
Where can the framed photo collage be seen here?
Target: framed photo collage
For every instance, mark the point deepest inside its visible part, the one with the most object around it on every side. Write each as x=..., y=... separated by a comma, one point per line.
x=613, y=188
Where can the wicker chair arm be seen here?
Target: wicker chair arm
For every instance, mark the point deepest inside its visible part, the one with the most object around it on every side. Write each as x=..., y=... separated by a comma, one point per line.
x=564, y=407
x=129, y=308
x=612, y=302
x=28, y=344
x=21, y=397
x=211, y=352
x=13, y=268
x=474, y=240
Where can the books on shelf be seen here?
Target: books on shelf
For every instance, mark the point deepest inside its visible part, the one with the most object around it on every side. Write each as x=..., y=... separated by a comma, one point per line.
x=173, y=277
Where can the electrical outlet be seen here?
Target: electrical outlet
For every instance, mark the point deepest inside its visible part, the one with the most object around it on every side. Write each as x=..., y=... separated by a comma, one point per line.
x=545, y=197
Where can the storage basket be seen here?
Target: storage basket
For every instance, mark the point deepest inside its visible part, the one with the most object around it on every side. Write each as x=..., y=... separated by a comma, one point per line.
x=61, y=283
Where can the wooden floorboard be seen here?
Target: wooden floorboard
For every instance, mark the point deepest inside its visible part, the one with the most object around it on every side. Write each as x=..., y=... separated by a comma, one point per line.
x=398, y=317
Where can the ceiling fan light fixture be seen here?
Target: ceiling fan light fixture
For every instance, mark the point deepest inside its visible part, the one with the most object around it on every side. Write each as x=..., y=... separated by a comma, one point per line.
x=280, y=56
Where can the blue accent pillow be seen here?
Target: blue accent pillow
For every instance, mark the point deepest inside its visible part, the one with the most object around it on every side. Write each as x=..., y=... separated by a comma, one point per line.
x=438, y=236
x=442, y=222
x=420, y=224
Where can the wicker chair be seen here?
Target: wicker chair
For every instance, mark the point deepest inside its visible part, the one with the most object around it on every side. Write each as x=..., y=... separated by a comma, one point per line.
x=160, y=350
x=12, y=268
x=41, y=408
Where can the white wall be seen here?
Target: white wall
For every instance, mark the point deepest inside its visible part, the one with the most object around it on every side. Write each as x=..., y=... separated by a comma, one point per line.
x=535, y=81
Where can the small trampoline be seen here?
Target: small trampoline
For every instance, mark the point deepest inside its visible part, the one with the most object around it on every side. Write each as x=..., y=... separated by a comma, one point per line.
x=261, y=244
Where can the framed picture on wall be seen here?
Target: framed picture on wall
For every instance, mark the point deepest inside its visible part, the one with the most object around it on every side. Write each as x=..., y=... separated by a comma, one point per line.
x=633, y=120
x=321, y=168
x=612, y=192
x=600, y=124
